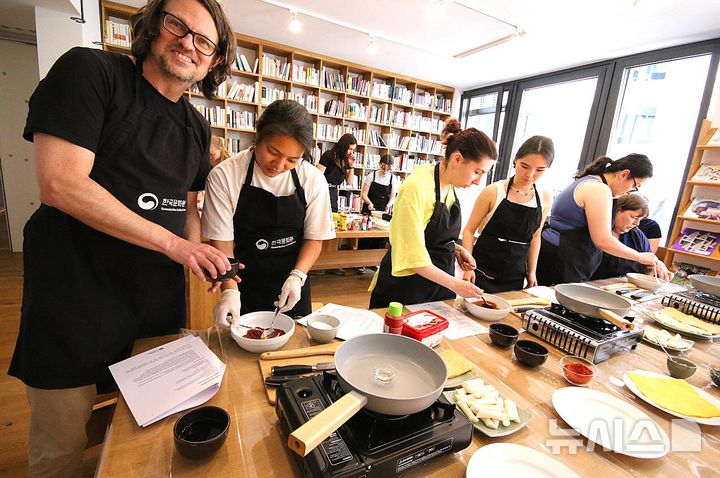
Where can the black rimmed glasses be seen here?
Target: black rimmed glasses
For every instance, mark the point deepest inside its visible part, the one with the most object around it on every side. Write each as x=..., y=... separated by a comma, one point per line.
x=635, y=187
x=177, y=27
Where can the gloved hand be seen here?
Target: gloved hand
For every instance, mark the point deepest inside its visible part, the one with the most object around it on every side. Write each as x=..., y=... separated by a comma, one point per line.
x=229, y=304
x=291, y=290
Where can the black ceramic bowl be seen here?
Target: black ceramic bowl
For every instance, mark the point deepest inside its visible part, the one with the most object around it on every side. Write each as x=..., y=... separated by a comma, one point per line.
x=529, y=353
x=503, y=335
x=234, y=267
x=200, y=432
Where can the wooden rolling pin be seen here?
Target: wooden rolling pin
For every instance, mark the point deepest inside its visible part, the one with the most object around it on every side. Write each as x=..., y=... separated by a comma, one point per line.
x=304, y=352
x=540, y=301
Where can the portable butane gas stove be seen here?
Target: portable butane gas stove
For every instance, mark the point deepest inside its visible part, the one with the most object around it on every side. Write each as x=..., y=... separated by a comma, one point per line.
x=693, y=302
x=369, y=444
x=576, y=334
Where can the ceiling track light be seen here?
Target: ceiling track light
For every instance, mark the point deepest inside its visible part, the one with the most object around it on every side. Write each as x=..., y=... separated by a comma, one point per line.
x=294, y=24
x=372, y=46
x=516, y=34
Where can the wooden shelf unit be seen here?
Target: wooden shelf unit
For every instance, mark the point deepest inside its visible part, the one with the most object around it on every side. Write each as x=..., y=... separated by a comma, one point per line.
x=357, y=100
x=706, y=132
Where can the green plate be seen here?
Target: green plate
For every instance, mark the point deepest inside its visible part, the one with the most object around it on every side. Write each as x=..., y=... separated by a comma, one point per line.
x=501, y=431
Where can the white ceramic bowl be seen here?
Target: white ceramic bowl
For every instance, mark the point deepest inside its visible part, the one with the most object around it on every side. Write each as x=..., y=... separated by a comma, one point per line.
x=645, y=281
x=323, y=328
x=262, y=319
x=483, y=313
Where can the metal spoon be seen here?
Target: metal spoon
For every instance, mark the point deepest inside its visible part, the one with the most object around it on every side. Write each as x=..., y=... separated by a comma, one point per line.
x=483, y=273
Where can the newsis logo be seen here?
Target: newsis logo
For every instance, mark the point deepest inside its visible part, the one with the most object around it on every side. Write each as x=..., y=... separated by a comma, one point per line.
x=261, y=244
x=148, y=201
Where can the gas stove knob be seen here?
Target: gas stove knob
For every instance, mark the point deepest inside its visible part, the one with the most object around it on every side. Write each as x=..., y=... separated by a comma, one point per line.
x=535, y=326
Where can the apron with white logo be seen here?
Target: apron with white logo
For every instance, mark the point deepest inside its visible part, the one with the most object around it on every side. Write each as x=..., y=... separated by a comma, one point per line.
x=88, y=296
x=268, y=237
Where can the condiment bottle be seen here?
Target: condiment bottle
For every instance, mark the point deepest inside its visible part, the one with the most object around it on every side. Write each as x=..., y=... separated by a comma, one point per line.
x=394, y=319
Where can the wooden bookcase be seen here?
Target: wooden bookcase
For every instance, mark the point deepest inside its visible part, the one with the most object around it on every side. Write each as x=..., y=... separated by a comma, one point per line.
x=690, y=191
x=403, y=115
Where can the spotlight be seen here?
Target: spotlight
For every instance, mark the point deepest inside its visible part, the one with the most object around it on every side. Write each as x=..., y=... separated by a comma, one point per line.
x=294, y=24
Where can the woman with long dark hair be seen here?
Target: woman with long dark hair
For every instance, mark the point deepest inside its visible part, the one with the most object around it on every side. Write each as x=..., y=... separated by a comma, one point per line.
x=337, y=165
x=268, y=207
x=508, y=215
x=420, y=264
x=580, y=225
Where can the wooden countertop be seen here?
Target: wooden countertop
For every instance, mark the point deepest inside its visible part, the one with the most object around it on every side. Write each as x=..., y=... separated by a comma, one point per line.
x=256, y=448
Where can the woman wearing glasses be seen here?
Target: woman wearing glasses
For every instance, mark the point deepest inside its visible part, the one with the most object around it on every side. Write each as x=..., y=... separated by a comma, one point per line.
x=579, y=229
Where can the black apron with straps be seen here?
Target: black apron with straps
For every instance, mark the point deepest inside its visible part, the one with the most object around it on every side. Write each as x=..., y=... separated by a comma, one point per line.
x=501, y=251
x=268, y=237
x=440, y=234
x=378, y=194
x=574, y=259
x=335, y=177
x=87, y=295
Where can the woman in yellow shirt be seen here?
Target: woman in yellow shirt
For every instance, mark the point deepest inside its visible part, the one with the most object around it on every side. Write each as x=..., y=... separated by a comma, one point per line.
x=420, y=264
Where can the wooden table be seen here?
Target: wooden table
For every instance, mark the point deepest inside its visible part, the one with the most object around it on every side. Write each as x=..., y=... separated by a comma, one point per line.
x=256, y=448
x=332, y=257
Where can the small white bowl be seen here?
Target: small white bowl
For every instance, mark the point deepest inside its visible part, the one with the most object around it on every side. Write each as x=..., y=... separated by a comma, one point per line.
x=484, y=313
x=323, y=328
x=262, y=319
x=644, y=281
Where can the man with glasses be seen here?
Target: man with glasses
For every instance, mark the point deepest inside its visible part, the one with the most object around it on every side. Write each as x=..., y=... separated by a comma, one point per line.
x=120, y=155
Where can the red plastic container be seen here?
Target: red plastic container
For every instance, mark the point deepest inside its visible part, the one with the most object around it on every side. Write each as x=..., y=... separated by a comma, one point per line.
x=424, y=326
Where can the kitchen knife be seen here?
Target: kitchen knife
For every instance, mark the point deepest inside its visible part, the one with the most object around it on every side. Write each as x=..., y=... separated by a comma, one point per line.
x=282, y=370
x=277, y=381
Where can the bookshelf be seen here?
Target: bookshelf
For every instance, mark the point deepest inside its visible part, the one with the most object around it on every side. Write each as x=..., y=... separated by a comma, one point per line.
x=388, y=113
x=692, y=214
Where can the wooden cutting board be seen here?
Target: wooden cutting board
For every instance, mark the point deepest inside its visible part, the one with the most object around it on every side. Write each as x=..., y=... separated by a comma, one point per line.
x=322, y=353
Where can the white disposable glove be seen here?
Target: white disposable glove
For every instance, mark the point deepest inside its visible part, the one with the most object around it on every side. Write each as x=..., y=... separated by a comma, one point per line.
x=229, y=304
x=291, y=290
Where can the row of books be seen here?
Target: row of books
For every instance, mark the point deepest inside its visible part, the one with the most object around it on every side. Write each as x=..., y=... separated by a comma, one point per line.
x=118, y=34
x=333, y=81
x=239, y=91
x=332, y=107
x=332, y=132
x=276, y=67
x=220, y=117
x=413, y=142
x=242, y=63
x=356, y=111
x=358, y=85
x=402, y=94
x=240, y=119
x=351, y=202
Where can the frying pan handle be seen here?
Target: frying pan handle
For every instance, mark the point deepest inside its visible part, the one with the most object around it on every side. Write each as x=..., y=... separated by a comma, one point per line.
x=615, y=319
x=328, y=349
x=305, y=438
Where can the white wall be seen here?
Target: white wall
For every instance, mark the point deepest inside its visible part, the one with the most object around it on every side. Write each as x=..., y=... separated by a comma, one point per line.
x=21, y=67
x=18, y=78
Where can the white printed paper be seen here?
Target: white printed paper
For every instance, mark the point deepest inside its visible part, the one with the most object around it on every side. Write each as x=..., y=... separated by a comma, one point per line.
x=169, y=378
x=542, y=291
x=353, y=321
x=459, y=324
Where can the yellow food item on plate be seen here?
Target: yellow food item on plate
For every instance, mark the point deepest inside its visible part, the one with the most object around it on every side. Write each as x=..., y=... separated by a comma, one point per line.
x=456, y=363
x=675, y=318
x=676, y=395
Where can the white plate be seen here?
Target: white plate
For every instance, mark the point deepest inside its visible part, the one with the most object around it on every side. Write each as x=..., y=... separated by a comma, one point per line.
x=600, y=417
x=688, y=343
x=704, y=421
x=511, y=460
x=500, y=431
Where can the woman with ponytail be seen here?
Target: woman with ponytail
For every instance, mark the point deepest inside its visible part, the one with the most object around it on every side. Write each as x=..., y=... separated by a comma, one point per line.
x=420, y=264
x=580, y=225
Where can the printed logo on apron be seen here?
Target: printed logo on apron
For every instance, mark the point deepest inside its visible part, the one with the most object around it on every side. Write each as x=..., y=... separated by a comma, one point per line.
x=173, y=204
x=282, y=242
x=261, y=244
x=147, y=201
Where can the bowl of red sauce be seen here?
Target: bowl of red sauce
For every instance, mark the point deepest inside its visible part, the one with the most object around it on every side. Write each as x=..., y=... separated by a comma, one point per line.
x=259, y=332
x=576, y=370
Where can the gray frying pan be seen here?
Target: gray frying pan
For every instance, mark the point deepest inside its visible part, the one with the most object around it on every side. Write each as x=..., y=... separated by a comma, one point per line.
x=384, y=373
x=704, y=283
x=595, y=303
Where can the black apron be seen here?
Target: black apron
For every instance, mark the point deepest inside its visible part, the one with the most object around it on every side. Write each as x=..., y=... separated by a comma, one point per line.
x=268, y=237
x=574, y=259
x=440, y=234
x=335, y=177
x=502, y=248
x=88, y=296
x=378, y=194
